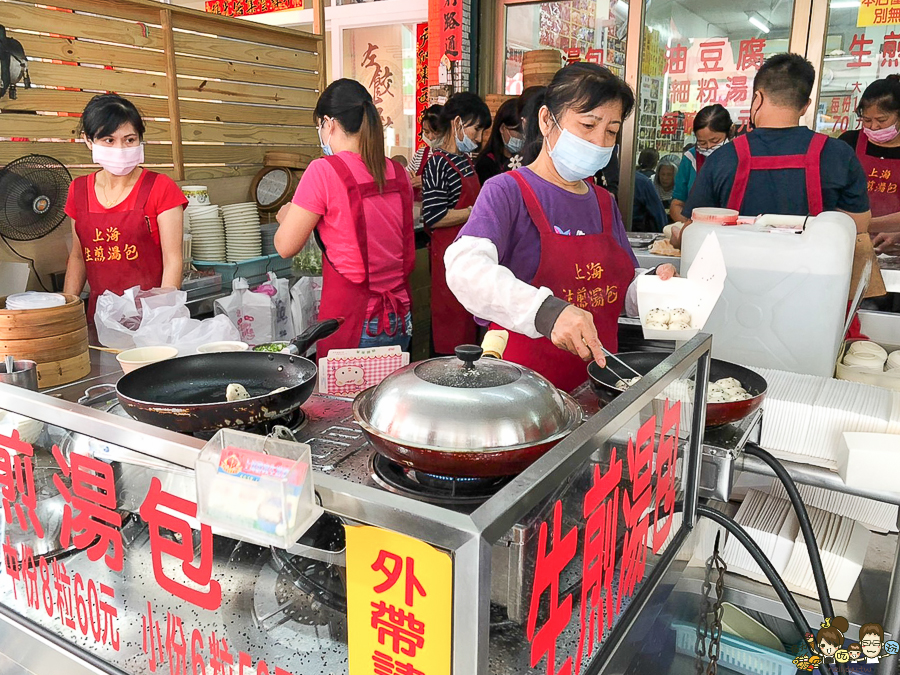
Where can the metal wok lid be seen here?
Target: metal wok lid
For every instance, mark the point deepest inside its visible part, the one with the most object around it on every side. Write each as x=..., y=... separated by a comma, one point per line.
x=467, y=403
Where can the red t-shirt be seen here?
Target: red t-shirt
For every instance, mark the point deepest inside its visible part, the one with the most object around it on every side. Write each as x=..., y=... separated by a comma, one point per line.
x=165, y=195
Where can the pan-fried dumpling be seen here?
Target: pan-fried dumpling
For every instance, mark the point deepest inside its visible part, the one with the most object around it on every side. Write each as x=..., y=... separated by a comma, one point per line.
x=728, y=382
x=236, y=392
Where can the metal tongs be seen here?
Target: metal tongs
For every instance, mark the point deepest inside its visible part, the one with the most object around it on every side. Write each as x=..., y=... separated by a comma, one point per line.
x=620, y=362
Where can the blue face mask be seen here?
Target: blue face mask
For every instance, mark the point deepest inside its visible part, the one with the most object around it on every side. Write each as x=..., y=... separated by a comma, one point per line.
x=575, y=158
x=515, y=144
x=326, y=148
x=465, y=145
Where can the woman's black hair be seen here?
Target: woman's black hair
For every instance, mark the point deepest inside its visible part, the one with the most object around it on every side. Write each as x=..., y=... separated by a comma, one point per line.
x=581, y=87
x=648, y=159
x=527, y=96
x=432, y=117
x=468, y=107
x=105, y=113
x=884, y=94
x=350, y=103
x=508, y=116
x=530, y=110
x=714, y=118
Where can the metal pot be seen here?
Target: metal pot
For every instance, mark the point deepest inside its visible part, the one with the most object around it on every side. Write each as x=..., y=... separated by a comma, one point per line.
x=466, y=416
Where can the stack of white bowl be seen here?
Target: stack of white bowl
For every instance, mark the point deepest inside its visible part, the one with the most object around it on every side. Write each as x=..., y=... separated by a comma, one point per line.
x=207, y=233
x=242, y=233
x=268, y=238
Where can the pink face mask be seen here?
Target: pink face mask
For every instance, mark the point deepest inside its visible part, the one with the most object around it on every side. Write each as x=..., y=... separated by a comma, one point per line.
x=885, y=135
x=118, y=161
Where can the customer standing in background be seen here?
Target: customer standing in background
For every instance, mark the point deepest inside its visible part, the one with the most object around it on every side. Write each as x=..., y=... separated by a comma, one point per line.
x=449, y=189
x=360, y=205
x=430, y=136
x=502, y=151
x=664, y=179
x=647, y=161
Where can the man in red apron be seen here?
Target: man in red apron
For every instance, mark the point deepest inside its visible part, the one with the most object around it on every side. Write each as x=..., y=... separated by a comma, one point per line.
x=130, y=253
x=451, y=324
x=562, y=256
x=351, y=301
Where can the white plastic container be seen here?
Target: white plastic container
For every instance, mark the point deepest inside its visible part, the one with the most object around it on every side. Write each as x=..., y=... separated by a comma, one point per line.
x=784, y=304
x=256, y=488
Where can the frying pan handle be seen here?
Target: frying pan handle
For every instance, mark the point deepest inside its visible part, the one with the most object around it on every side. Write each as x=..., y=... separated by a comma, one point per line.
x=313, y=334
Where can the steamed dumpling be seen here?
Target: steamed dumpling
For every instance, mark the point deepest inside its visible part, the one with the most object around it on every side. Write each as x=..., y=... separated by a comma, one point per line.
x=680, y=314
x=679, y=325
x=716, y=396
x=727, y=382
x=658, y=315
x=657, y=325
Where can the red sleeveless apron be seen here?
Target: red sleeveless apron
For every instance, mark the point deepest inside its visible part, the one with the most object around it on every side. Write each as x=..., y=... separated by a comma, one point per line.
x=591, y=271
x=451, y=324
x=347, y=299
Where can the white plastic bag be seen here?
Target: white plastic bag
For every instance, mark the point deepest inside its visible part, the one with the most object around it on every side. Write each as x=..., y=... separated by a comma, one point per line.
x=185, y=333
x=306, y=296
x=283, y=328
x=252, y=313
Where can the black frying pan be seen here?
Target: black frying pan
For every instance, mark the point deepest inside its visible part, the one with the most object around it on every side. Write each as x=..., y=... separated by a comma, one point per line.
x=188, y=394
x=603, y=382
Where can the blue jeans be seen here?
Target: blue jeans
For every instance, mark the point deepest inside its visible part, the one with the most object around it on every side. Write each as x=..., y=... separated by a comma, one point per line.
x=372, y=338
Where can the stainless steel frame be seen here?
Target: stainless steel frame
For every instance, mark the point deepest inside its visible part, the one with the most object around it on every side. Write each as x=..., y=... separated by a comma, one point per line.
x=468, y=537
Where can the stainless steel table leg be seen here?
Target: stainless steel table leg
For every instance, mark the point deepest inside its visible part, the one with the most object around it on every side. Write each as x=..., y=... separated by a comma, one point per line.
x=891, y=624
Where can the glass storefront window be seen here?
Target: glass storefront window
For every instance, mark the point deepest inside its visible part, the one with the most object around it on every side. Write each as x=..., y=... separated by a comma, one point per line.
x=695, y=55
x=855, y=56
x=383, y=58
x=589, y=30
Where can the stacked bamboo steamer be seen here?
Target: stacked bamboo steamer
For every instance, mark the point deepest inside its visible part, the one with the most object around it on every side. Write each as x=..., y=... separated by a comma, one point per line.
x=539, y=66
x=56, y=338
x=494, y=101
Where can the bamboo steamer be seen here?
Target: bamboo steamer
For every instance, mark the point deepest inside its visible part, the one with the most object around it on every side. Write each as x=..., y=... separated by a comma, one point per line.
x=56, y=338
x=494, y=101
x=539, y=66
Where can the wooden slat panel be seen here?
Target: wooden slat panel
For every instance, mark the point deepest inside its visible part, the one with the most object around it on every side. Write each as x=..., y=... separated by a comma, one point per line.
x=25, y=17
x=73, y=153
x=45, y=126
x=50, y=100
x=88, y=52
x=247, y=133
x=145, y=12
x=237, y=29
x=196, y=173
x=245, y=72
x=201, y=45
x=246, y=93
x=244, y=154
x=97, y=79
x=247, y=114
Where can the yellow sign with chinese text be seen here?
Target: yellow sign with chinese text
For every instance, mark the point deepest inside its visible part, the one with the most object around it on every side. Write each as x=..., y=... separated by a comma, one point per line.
x=878, y=13
x=399, y=604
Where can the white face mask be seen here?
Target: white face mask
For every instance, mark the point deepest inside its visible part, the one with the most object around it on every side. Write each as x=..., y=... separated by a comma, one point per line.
x=118, y=161
x=706, y=152
x=575, y=158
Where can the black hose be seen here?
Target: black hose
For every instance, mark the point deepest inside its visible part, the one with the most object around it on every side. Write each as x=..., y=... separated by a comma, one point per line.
x=765, y=564
x=815, y=558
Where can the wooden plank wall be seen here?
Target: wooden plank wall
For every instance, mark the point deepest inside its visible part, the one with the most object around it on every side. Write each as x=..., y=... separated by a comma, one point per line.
x=216, y=93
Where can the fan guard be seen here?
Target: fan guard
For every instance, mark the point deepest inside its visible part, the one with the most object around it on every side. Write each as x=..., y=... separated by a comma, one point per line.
x=33, y=191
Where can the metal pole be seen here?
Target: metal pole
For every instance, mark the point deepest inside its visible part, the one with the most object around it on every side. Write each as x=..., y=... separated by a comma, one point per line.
x=891, y=623
x=695, y=444
x=633, y=48
x=471, y=607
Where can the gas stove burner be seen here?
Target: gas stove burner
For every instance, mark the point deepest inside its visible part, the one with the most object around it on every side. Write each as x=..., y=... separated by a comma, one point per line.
x=294, y=420
x=433, y=488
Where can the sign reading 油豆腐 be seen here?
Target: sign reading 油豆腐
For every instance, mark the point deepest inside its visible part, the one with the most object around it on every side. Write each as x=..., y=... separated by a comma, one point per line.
x=399, y=604
x=878, y=13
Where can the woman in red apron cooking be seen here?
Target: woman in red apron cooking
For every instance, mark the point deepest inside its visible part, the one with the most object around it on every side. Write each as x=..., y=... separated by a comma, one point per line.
x=360, y=205
x=430, y=137
x=545, y=254
x=878, y=149
x=126, y=221
x=449, y=188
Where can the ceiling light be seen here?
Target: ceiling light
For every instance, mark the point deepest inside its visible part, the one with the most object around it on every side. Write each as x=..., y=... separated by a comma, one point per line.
x=845, y=4
x=759, y=23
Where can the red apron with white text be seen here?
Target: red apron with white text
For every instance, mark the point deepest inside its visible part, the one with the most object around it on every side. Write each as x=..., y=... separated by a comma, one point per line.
x=349, y=300
x=426, y=153
x=451, y=324
x=880, y=173
x=590, y=271
x=121, y=249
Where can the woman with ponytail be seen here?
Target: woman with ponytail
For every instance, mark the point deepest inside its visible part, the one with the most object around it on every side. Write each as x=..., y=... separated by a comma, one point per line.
x=878, y=149
x=359, y=203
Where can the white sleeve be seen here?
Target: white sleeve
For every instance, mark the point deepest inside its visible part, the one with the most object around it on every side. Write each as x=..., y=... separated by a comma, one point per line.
x=488, y=289
x=631, y=304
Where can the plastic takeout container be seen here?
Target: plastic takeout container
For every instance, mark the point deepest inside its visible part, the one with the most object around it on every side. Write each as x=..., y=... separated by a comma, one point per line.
x=697, y=293
x=256, y=488
x=715, y=215
x=132, y=359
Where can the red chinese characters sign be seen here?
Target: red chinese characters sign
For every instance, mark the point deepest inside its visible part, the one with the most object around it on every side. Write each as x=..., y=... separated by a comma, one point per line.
x=249, y=7
x=421, y=78
x=399, y=600
x=450, y=22
x=635, y=493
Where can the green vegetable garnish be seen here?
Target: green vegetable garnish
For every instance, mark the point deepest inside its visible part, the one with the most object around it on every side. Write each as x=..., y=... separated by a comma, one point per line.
x=271, y=347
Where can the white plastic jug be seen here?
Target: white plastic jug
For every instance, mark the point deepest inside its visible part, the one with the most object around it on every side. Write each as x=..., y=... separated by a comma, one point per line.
x=785, y=299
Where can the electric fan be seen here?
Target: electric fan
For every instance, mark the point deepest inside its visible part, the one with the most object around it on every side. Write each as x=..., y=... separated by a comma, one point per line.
x=33, y=192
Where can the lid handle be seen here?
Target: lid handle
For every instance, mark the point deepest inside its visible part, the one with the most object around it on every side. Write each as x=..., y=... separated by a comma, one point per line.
x=469, y=354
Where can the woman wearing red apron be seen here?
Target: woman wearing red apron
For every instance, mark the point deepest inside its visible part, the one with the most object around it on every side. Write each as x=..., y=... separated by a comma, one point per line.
x=449, y=189
x=360, y=205
x=430, y=137
x=126, y=221
x=545, y=254
x=878, y=149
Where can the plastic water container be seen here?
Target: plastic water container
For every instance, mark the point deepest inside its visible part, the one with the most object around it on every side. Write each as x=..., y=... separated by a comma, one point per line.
x=785, y=299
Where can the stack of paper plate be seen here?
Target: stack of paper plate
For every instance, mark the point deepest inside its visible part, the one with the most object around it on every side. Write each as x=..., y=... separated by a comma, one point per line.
x=242, y=233
x=207, y=233
x=35, y=300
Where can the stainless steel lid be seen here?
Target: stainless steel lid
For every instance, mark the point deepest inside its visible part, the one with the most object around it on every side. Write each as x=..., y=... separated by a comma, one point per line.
x=467, y=403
